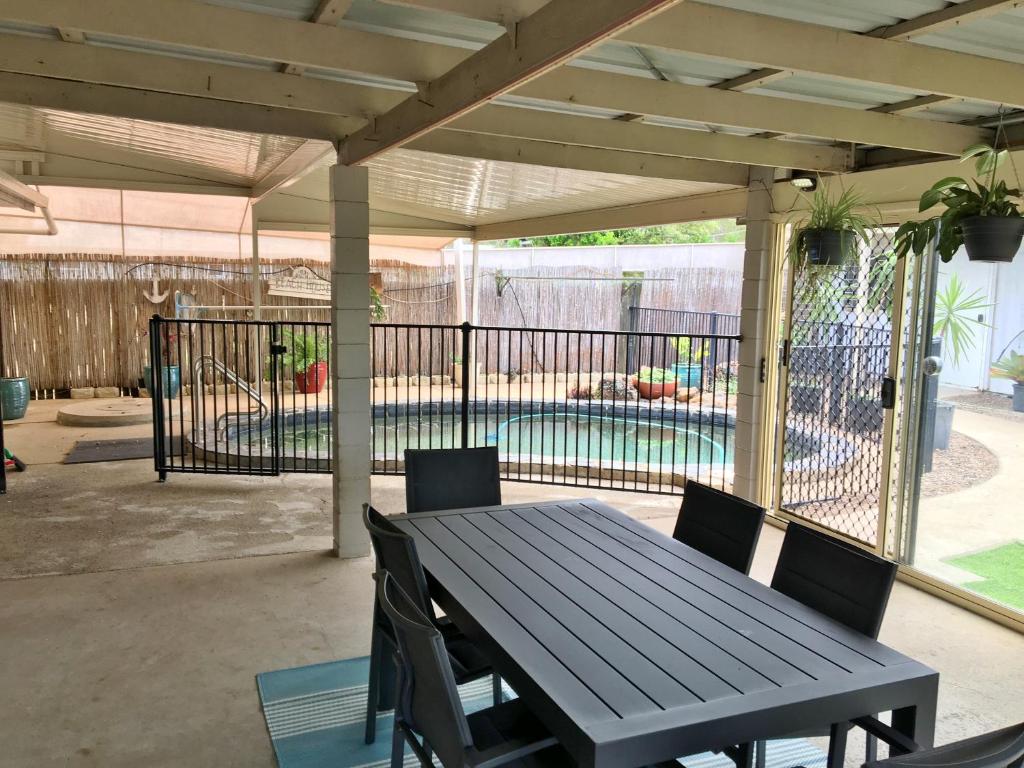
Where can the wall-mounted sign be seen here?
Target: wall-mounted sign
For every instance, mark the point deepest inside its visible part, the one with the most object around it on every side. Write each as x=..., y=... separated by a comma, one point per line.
x=300, y=283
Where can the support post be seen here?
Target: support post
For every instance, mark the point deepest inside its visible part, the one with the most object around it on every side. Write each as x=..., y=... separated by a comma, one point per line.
x=760, y=262
x=257, y=289
x=460, y=282
x=350, y=357
x=474, y=305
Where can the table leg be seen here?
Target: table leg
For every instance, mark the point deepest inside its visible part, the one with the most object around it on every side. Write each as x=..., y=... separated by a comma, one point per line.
x=917, y=722
x=837, y=745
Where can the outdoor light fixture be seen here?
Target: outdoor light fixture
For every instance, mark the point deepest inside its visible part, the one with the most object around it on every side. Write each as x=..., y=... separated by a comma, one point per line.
x=805, y=183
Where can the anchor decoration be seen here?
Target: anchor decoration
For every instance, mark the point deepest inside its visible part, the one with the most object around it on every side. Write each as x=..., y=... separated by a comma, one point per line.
x=156, y=297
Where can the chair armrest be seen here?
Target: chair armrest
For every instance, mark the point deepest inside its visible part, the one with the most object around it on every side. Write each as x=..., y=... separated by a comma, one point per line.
x=900, y=744
x=506, y=752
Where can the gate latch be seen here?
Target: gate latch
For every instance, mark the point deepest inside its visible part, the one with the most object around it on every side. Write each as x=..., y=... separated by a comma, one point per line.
x=888, y=392
x=278, y=349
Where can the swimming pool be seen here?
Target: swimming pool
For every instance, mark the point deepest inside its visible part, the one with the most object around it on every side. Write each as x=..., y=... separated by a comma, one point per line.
x=599, y=435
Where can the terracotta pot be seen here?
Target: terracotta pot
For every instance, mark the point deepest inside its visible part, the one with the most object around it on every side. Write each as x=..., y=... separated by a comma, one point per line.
x=654, y=391
x=313, y=380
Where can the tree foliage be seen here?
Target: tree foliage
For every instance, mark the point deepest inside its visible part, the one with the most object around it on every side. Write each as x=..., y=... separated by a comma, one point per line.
x=720, y=231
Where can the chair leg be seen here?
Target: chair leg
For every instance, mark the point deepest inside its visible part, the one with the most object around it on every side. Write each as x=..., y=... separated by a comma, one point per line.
x=496, y=688
x=837, y=745
x=373, y=688
x=870, y=748
x=760, y=754
x=397, y=747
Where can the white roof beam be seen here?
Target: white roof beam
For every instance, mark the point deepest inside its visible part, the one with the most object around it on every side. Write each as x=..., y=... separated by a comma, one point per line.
x=558, y=31
x=653, y=139
x=768, y=41
x=243, y=33
x=624, y=93
x=170, y=108
x=189, y=77
x=329, y=12
x=714, y=205
x=446, y=141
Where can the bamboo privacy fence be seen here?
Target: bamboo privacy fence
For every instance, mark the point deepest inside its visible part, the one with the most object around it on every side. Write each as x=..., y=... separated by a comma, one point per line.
x=80, y=320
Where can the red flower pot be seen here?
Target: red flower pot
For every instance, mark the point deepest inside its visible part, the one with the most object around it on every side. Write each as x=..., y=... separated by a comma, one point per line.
x=313, y=380
x=651, y=391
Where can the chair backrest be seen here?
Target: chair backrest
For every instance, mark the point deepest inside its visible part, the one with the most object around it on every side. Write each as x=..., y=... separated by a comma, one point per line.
x=720, y=525
x=451, y=478
x=396, y=554
x=428, y=699
x=835, y=578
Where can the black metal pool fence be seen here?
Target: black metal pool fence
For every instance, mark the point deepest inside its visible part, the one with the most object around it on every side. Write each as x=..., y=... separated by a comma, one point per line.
x=638, y=411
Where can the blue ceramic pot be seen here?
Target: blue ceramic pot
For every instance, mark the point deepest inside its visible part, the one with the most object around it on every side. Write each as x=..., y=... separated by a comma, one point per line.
x=688, y=375
x=171, y=375
x=14, y=397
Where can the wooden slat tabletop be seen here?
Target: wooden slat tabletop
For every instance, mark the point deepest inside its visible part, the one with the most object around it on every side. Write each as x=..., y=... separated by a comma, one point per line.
x=636, y=648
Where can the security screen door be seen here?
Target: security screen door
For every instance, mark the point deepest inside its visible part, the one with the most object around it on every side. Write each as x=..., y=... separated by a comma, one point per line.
x=840, y=355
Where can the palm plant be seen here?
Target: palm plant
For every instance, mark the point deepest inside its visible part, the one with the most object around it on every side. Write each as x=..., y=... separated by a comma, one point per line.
x=1009, y=367
x=956, y=317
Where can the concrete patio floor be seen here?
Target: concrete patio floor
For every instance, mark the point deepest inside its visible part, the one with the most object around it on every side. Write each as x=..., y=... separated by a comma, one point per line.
x=172, y=597
x=154, y=666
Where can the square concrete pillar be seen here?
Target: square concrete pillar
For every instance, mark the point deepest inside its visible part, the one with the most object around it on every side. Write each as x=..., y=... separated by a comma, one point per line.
x=761, y=257
x=350, y=357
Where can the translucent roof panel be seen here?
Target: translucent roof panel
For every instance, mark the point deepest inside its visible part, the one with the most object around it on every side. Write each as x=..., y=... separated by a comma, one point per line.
x=471, y=191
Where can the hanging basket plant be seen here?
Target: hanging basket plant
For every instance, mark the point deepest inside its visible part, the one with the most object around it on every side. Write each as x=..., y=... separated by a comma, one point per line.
x=828, y=234
x=986, y=219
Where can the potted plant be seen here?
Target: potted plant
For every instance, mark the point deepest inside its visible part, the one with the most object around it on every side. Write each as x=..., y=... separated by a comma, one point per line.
x=689, y=366
x=987, y=219
x=654, y=383
x=827, y=235
x=14, y=397
x=306, y=357
x=378, y=309
x=1011, y=366
x=170, y=374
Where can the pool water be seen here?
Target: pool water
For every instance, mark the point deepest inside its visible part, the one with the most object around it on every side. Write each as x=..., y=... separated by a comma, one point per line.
x=552, y=436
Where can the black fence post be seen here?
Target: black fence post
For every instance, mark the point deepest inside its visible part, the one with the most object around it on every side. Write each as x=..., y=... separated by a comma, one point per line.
x=156, y=395
x=714, y=344
x=466, y=363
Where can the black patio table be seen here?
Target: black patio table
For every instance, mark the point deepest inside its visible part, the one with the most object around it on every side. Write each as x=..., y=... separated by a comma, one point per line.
x=634, y=648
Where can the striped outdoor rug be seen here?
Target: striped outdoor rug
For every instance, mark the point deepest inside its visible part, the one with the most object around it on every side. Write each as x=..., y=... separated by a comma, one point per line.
x=316, y=717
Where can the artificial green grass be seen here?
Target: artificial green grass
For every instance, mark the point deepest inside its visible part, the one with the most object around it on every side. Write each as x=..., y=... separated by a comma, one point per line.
x=1001, y=570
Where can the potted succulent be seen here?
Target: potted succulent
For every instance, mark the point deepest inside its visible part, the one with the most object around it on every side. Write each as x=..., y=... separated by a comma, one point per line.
x=1011, y=366
x=170, y=374
x=654, y=383
x=689, y=366
x=14, y=397
x=306, y=357
x=987, y=219
x=827, y=234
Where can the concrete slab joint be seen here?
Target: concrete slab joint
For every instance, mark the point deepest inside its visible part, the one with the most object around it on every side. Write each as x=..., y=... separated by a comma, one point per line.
x=350, y=357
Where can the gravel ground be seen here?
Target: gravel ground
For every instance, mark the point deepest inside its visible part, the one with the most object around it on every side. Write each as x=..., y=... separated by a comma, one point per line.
x=965, y=463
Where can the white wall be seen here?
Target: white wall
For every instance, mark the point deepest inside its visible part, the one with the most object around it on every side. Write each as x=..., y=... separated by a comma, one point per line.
x=1001, y=285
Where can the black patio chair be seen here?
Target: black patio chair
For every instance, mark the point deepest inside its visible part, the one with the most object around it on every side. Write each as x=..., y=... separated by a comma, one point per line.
x=720, y=525
x=997, y=749
x=845, y=583
x=396, y=553
x=429, y=715
x=451, y=478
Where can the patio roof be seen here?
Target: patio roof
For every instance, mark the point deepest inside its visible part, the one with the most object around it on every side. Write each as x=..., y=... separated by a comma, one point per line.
x=245, y=98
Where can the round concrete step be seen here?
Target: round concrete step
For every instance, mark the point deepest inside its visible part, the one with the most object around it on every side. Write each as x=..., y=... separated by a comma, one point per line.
x=121, y=412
